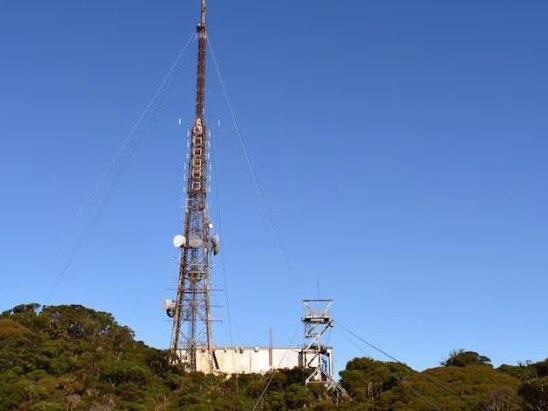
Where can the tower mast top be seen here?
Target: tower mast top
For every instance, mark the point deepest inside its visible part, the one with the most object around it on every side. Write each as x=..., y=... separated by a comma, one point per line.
x=202, y=39
x=203, y=13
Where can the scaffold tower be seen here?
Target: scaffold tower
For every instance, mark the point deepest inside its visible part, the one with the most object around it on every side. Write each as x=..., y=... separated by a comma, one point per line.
x=317, y=321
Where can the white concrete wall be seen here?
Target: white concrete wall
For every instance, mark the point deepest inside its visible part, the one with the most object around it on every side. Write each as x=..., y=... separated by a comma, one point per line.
x=245, y=360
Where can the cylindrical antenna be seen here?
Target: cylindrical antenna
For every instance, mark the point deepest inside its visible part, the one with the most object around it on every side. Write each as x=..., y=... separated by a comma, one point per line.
x=203, y=14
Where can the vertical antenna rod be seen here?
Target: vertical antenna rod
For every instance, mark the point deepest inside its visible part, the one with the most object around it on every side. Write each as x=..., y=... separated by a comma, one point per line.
x=191, y=311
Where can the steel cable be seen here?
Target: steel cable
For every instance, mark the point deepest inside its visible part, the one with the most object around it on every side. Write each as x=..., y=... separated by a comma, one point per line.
x=248, y=160
x=426, y=399
x=472, y=403
x=126, y=141
x=145, y=117
x=273, y=372
x=223, y=259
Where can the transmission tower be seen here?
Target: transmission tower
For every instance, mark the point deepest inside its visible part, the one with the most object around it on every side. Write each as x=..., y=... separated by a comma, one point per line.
x=191, y=310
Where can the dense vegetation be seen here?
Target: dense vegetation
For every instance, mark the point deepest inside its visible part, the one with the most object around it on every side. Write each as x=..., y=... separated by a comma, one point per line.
x=75, y=358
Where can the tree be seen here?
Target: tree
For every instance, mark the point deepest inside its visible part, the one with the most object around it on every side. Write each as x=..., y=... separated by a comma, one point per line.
x=74, y=358
x=535, y=392
x=463, y=358
x=365, y=379
x=454, y=388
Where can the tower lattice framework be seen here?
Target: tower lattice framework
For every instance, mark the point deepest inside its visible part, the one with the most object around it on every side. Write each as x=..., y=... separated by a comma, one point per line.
x=316, y=357
x=191, y=311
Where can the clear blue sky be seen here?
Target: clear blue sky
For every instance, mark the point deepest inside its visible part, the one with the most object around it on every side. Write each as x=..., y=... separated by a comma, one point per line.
x=401, y=146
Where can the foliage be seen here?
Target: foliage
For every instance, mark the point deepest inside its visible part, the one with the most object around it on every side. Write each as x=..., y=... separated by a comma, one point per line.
x=77, y=358
x=463, y=358
x=534, y=388
x=366, y=379
x=454, y=388
x=535, y=392
x=70, y=357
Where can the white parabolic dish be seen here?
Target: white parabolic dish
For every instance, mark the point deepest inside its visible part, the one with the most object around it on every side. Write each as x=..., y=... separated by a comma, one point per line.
x=179, y=241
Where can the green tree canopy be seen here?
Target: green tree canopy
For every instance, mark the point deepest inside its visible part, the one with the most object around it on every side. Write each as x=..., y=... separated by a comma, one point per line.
x=70, y=357
x=461, y=358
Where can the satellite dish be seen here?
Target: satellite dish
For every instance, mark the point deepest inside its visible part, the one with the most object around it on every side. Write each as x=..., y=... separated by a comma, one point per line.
x=216, y=244
x=179, y=241
x=167, y=304
x=169, y=307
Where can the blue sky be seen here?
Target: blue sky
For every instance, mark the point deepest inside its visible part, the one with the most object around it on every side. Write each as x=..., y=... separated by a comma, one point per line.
x=400, y=145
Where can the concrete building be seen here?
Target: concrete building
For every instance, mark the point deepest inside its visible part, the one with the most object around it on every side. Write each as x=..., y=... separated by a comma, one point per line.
x=257, y=359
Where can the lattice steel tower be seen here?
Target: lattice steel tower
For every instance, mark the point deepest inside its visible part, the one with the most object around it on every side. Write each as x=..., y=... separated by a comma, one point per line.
x=191, y=310
x=315, y=354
